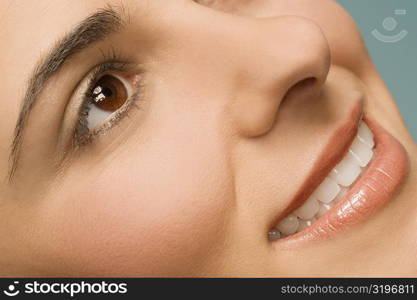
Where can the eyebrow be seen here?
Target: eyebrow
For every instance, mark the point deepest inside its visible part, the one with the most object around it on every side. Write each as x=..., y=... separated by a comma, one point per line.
x=94, y=28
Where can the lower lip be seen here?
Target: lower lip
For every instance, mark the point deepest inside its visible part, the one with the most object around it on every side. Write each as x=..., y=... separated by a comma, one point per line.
x=376, y=186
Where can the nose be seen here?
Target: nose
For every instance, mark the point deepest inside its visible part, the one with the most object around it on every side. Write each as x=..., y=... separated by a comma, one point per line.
x=282, y=55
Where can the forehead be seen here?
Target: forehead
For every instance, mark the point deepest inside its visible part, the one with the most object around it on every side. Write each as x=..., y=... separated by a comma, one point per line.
x=30, y=27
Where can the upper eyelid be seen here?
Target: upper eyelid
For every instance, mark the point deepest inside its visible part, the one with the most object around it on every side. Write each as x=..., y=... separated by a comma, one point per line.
x=101, y=69
x=113, y=60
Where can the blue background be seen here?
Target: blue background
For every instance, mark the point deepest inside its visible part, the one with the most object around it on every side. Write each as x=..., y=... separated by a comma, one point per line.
x=397, y=62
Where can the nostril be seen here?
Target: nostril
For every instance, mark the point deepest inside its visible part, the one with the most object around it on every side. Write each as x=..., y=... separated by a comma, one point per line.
x=303, y=85
x=307, y=87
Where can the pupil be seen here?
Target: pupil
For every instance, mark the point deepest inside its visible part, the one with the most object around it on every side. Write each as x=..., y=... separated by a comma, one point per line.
x=108, y=92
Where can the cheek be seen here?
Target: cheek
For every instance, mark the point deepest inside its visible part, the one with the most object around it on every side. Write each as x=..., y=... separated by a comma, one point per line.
x=160, y=214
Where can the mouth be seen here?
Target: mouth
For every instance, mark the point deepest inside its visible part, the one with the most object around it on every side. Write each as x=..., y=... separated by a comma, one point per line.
x=355, y=182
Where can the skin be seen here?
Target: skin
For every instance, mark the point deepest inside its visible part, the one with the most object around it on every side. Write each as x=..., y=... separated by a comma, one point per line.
x=189, y=184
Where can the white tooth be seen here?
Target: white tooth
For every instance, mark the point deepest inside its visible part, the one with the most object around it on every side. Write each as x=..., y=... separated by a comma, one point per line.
x=308, y=209
x=305, y=223
x=340, y=196
x=274, y=234
x=288, y=225
x=346, y=172
x=323, y=209
x=365, y=135
x=327, y=190
x=362, y=153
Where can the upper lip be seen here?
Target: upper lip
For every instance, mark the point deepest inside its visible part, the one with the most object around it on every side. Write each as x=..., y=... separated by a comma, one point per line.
x=331, y=155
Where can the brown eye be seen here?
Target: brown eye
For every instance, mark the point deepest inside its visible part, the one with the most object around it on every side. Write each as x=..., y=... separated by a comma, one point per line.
x=109, y=93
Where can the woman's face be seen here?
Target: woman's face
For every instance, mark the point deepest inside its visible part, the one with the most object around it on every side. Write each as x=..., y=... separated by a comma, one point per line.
x=170, y=137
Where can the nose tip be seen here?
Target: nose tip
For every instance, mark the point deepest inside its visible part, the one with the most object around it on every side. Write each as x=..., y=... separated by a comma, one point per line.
x=306, y=50
x=292, y=55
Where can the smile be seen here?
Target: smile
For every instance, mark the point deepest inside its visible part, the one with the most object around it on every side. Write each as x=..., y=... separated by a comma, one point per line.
x=367, y=176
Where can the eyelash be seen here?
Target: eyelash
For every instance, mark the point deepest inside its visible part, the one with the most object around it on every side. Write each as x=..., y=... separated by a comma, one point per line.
x=82, y=135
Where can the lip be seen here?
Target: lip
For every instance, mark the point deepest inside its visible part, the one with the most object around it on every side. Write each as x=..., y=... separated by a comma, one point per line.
x=331, y=155
x=375, y=187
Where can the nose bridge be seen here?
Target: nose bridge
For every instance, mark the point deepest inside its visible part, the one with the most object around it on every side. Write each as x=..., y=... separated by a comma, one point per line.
x=284, y=51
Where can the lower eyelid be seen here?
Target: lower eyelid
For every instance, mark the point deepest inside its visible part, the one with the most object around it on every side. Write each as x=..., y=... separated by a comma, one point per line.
x=112, y=121
x=97, y=117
